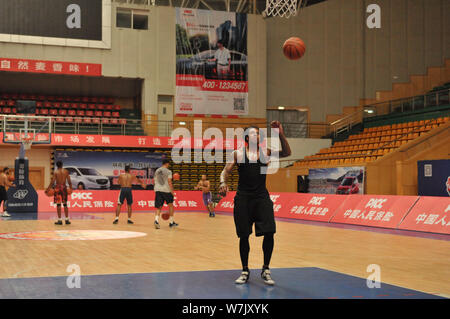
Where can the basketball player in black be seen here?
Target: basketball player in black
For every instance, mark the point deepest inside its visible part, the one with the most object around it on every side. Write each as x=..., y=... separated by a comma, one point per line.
x=252, y=203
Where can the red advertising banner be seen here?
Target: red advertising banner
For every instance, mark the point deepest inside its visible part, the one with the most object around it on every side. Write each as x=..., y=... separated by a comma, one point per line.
x=83, y=140
x=51, y=67
x=96, y=201
x=373, y=210
x=430, y=214
x=294, y=205
x=316, y=207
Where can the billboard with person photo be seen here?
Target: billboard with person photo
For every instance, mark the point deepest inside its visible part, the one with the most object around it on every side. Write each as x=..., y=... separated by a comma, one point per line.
x=211, y=63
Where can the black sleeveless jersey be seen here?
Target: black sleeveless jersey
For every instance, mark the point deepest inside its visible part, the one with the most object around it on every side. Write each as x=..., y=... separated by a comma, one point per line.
x=252, y=175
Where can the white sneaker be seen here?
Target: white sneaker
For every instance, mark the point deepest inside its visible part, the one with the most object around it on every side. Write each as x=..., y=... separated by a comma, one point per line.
x=265, y=275
x=5, y=214
x=243, y=278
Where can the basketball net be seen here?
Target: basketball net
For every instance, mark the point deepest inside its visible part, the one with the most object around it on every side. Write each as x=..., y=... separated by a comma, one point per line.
x=280, y=8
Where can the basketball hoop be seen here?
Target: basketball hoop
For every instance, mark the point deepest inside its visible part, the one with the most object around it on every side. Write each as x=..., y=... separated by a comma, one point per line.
x=281, y=8
x=26, y=142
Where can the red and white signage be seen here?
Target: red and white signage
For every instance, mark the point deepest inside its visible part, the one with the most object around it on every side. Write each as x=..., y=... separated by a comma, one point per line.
x=51, y=67
x=374, y=210
x=93, y=201
x=316, y=207
x=430, y=214
x=83, y=140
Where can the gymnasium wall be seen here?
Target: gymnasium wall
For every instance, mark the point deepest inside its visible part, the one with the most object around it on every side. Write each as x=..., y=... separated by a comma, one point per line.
x=150, y=55
x=345, y=61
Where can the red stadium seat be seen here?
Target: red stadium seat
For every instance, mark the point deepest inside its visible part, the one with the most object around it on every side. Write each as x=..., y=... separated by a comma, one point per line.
x=96, y=120
x=87, y=120
x=116, y=107
x=114, y=121
x=14, y=96
x=123, y=121
x=50, y=98
x=39, y=104
x=23, y=96
x=98, y=113
x=53, y=112
x=107, y=114
x=59, y=119
x=43, y=111
x=115, y=114
x=109, y=107
x=72, y=113
x=78, y=119
x=105, y=120
x=65, y=105
x=47, y=104
x=93, y=99
x=5, y=96
x=102, y=100
x=57, y=104
x=7, y=110
x=41, y=97
x=91, y=107
x=62, y=112
x=3, y=103
x=80, y=113
x=83, y=106
x=89, y=113
x=11, y=103
x=74, y=105
x=85, y=99
x=100, y=107
x=69, y=119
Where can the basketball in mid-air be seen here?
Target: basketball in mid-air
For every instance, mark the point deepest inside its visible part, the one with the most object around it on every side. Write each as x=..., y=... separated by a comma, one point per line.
x=176, y=177
x=294, y=48
x=50, y=192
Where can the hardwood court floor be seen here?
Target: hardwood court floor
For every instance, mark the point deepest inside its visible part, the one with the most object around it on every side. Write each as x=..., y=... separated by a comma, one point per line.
x=203, y=243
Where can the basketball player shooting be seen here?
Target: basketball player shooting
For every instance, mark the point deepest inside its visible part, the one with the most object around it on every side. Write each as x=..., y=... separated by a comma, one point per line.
x=252, y=203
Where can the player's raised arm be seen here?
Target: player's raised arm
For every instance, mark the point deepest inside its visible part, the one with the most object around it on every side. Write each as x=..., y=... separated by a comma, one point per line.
x=285, y=148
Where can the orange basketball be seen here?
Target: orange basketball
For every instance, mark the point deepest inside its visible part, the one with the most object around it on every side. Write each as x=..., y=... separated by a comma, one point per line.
x=294, y=48
x=176, y=177
x=165, y=216
x=50, y=192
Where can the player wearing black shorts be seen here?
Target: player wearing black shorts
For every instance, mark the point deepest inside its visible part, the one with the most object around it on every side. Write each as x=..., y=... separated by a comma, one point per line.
x=126, y=181
x=252, y=203
x=164, y=193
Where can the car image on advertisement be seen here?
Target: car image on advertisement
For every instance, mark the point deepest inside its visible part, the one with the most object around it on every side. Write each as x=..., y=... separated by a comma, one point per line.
x=87, y=178
x=349, y=185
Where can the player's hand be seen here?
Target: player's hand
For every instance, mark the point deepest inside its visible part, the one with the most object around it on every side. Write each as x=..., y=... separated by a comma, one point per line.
x=277, y=125
x=223, y=189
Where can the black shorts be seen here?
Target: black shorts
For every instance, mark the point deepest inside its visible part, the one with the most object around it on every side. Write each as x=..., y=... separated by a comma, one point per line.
x=125, y=193
x=3, y=194
x=162, y=197
x=253, y=209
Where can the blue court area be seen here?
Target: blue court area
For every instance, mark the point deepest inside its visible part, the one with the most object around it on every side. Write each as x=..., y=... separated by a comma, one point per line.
x=291, y=283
